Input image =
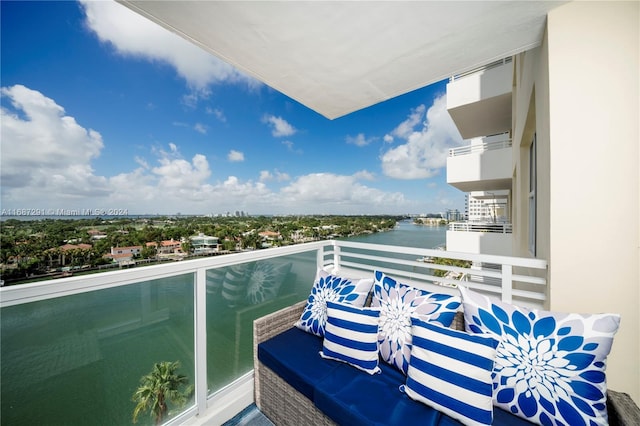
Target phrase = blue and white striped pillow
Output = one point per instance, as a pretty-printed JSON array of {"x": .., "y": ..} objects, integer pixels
[
  {"x": 450, "y": 371},
  {"x": 351, "y": 336}
]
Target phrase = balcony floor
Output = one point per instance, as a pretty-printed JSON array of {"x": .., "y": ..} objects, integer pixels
[{"x": 250, "y": 416}]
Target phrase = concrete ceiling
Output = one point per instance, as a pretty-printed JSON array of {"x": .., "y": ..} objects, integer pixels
[{"x": 339, "y": 57}]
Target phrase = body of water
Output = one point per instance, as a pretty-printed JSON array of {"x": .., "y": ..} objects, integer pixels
[
  {"x": 407, "y": 234},
  {"x": 76, "y": 360}
]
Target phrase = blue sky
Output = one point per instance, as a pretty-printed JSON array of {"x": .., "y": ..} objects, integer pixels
[{"x": 102, "y": 109}]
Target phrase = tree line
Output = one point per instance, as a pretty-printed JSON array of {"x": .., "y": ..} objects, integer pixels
[{"x": 29, "y": 248}]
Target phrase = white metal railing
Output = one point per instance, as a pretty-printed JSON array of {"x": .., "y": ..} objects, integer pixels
[
  {"x": 481, "y": 68},
  {"x": 495, "y": 228},
  {"x": 479, "y": 148},
  {"x": 507, "y": 278}
]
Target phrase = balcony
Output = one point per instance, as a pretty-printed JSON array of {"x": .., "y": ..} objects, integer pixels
[
  {"x": 75, "y": 348},
  {"x": 484, "y": 165},
  {"x": 474, "y": 237},
  {"x": 479, "y": 101}
]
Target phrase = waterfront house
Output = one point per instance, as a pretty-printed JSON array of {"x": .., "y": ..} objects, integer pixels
[
  {"x": 168, "y": 247},
  {"x": 124, "y": 256},
  {"x": 204, "y": 244},
  {"x": 566, "y": 94}
]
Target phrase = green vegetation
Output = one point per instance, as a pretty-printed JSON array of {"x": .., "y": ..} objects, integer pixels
[
  {"x": 45, "y": 249},
  {"x": 157, "y": 388},
  {"x": 449, "y": 262}
]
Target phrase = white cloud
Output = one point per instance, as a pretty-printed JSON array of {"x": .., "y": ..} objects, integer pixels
[
  {"x": 45, "y": 149},
  {"x": 235, "y": 156},
  {"x": 330, "y": 192},
  {"x": 217, "y": 113},
  {"x": 177, "y": 173},
  {"x": 359, "y": 140},
  {"x": 133, "y": 35},
  {"x": 406, "y": 128},
  {"x": 200, "y": 128},
  {"x": 279, "y": 126},
  {"x": 424, "y": 152},
  {"x": 290, "y": 147},
  {"x": 47, "y": 160},
  {"x": 364, "y": 175},
  {"x": 266, "y": 176}
]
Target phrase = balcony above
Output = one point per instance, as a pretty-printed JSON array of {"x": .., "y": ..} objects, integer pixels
[
  {"x": 479, "y": 102},
  {"x": 472, "y": 237},
  {"x": 484, "y": 165}
]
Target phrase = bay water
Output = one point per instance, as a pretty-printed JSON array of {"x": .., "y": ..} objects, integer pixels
[{"x": 76, "y": 360}]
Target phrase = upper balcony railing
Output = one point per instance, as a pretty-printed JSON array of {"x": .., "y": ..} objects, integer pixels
[
  {"x": 76, "y": 347},
  {"x": 480, "y": 147},
  {"x": 496, "y": 228}
]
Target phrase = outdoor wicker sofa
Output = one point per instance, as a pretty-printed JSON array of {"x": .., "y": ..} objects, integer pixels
[{"x": 284, "y": 405}]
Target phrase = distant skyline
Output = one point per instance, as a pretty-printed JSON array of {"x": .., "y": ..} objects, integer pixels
[{"x": 103, "y": 109}]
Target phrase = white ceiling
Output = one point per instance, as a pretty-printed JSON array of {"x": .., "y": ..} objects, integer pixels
[{"x": 339, "y": 57}]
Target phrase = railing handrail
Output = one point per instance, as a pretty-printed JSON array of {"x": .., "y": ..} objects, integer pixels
[
  {"x": 30, "y": 292},
  {"x": 480, "y": 147},
  {"x": 525, "y": 262},
  {"x": 490, "y": 227}
]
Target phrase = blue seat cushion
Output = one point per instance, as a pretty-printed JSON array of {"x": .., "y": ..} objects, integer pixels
[
  {"x": 294, "y": 355},
  {"x": 350, "y": 397},
  {"x": 500, "y": 418}
]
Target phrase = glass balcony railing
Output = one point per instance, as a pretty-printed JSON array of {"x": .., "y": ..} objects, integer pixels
[{"x": 73, "y": 350}]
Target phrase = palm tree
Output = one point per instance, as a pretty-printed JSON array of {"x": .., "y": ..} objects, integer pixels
[{"x": 157, "y": 387}]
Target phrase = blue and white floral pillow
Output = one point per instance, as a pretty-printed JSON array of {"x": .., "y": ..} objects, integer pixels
[
  {"x": 397, "y": 303},
  {"x": 331, "y": 288},
  {"x": 550, "y": 366}
]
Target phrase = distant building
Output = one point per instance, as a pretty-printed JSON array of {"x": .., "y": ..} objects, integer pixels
[
  {"x": 123, "y": 256},
  {"x": 64, "y": 254},
  {"x": 204, "y": 244},
  {"x": 453, "y": 215},
  {"x": 166, "y": 247},
  {"x": 487, "y": 207},
  {"x": 96, "y": 234}
]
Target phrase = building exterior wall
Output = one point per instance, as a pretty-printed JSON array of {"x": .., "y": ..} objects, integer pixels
[{"x": 579, "y": 93}]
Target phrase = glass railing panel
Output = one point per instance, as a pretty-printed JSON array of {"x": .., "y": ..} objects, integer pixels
[
  {"x": 238, "y": 294},
  {"x": 77, "y": 360}
]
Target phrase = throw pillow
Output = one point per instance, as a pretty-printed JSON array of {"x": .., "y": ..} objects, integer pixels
[
  {"x": 450, "y": 371},
  {"x": 265, "y": 280},
  {"x": 351, "y": 336},
  {"x": 550, "y": 367},
  {"x": 397, "y": 303},
  {"x": 334, "y": 288}
]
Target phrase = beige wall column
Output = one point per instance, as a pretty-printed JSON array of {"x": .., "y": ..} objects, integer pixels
[{"x": 594, "y": 198}]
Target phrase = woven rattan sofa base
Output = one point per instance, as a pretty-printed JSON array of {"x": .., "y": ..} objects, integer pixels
[{"x": 284, "y": 405}]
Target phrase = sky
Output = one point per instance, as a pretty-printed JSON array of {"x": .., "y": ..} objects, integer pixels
[{"x": 105, "y": 111}]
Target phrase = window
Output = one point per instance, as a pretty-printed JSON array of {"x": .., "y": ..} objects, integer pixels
[{"x": 532, "y": 196}]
